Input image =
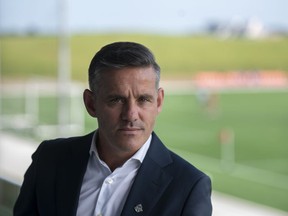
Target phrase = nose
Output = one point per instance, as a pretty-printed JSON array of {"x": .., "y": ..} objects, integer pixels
[{"x": 130, "y": 112}]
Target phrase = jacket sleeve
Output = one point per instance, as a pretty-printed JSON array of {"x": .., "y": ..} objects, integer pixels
[
  {"x": 199, "y": 201},
  {"x": 26, "y": 203}
]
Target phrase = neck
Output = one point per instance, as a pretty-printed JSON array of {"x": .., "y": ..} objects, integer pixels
[{"x": 112, "y": 157}]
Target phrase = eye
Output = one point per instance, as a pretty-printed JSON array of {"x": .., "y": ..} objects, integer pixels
[
  {"x": 144, "y": 99},
  {"x": 116, "y": 100}
]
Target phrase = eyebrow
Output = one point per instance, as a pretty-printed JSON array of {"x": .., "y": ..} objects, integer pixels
[
  {"x": 146, "y": 96},
  {"x": 114, "y": 96},
  {"x": 124, "y": 97}
]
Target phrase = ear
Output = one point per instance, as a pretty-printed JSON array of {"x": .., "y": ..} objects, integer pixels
[
  {"x": 160, "y": 99},
  {"x": 89, "y": 101}
]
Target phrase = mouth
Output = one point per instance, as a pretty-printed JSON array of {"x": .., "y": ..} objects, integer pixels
[{"x": 129, "y": 130}]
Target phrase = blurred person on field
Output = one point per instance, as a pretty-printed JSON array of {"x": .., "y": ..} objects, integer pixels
[{"x": 122, "y": 168}]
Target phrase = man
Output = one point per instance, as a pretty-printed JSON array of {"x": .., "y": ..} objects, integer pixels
[{"x": 122, "y": 168}]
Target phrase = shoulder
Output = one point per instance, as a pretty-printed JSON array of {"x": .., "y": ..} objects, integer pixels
[
  {"x": 66, "y": 142},
  {"x": 174, "y": 164},
  {"x": 62, "y": 146}
]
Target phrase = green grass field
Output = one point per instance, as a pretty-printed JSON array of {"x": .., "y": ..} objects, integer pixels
[
  {"x": 23, "y": 57},
  {"x": 259, "y": 121}
]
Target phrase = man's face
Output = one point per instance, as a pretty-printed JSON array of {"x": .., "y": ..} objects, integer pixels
[{"x": 126, "y": 107}]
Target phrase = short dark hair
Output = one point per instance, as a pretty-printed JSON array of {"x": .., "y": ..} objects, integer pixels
[{"x": 119, "y": 55}]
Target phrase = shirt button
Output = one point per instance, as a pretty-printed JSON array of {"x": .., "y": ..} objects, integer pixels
[{"x": 109, "y": 181}]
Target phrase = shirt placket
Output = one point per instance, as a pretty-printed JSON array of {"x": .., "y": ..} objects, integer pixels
[{"x": 104, "y": 194}]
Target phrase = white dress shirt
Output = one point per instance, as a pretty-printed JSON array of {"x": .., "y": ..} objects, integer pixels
[{"x": 103, "y": 193}]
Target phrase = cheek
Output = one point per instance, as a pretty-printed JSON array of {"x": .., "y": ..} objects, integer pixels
[
  {"x": 107, "y": 123},
  {"x": 149, "y": 117},
  {"x": 108, "y": 116}
]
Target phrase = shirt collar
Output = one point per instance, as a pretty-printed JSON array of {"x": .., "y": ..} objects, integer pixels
[{"x": 139, "y": 155}]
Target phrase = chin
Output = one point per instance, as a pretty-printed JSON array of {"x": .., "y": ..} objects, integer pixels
[{"x": 131, "y": 145}]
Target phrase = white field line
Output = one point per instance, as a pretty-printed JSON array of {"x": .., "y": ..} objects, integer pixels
[
  {"x": 15, "y": 156},
  {"x": 226, "y": 205},
  {"x": 240, "y": 171}
]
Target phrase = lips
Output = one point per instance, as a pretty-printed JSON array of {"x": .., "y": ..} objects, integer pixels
[{"x": 129, "y": 130}]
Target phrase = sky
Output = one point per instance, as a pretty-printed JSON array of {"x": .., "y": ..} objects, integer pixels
[{"x": 159, "y": 16}]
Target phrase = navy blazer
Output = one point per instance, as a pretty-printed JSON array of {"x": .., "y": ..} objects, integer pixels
[{"x": 165, "y": 184}]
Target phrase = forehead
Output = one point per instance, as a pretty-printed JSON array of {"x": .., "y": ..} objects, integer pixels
[{"x": 129, "y": 77}]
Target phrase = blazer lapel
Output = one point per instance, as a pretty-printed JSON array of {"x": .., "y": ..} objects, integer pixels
[
  {"x": 150, "y": 182},
  {"x": 70, "y": 175}
]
